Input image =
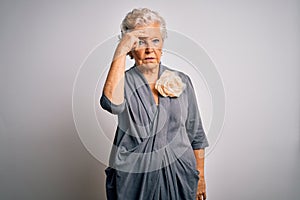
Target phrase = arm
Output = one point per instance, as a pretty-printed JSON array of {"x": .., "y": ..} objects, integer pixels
[
  {"x": 197, "y": 137},
  {"x": 201, "y": 191},
  {"x": 114, "y": 84}
]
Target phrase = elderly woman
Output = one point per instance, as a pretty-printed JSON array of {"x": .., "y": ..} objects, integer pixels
[{"x": 158, "y": 150}]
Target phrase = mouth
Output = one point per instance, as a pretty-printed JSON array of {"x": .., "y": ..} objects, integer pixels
[{"x": 150, "y": 58}]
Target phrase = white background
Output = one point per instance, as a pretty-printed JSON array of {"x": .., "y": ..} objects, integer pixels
[{"x": 254, "y": 44}]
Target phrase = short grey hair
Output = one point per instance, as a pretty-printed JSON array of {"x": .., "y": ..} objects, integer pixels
[{"x": 142, "y": 17}]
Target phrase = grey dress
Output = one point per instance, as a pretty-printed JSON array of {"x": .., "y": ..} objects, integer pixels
[{"x": 152, "y": 157}]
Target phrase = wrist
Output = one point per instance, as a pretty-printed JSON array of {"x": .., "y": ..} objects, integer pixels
[
  {"x": 119, "y": 53},
  {"x": 201, "y": 172}
]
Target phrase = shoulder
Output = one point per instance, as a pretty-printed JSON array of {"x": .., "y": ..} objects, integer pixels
[
  {"x": 130, "y": 74},
  {"x": 184, "y": 77},
  {"x": 129, "y": 71}
]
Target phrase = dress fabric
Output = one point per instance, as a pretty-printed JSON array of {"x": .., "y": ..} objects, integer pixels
[{"x": 152, "y": 156}]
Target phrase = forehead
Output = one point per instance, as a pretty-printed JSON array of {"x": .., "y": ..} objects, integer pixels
[{"x": 153, "y": 30}]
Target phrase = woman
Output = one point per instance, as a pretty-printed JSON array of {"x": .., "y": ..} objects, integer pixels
[{"x": 158, "y": 150}]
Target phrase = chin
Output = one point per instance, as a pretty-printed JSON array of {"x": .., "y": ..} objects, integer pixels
[{"x": 150, "y": 65}]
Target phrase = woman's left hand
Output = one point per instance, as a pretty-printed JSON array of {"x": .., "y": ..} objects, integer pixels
[{"x": 201, "y": 190}]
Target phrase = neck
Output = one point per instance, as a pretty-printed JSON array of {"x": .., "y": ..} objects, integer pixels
[
  {"x": 150, "y": 73},
  {"x": 148, "y": 70}
]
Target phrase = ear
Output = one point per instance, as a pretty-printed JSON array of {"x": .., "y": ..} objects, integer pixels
[{"x": 130, "y": 55}]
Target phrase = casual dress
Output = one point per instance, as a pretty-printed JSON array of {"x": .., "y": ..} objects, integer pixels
[{"x": 152, "y": 157}]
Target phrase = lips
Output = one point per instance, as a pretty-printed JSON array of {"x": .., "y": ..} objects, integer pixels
[{"x": 149, "y": 58}]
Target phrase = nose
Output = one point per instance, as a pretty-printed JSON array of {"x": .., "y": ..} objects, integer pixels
[
  {"x": 148, "y": 49},
  {"x": 147, "y": 45}
]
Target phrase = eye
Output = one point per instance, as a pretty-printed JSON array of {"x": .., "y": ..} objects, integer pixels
[
  {"x": 155, "y": 41},
  {"x": 141, "y": 42}
]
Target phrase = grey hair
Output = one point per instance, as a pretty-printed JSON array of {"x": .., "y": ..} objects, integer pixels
[{"x": 142, "y": 17}]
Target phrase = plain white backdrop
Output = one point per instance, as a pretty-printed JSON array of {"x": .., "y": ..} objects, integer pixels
[{"x": 254, "y": 44}]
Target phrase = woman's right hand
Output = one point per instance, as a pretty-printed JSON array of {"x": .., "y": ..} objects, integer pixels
[{"x": 129, "y": 42}]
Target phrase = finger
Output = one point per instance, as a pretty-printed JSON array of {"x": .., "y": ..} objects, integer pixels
[
  {"x": 135, "y": 35},
  {"x": 134, "y": 46},
  {"x": 204, "y": 195},
  {"x": 200, "y": 197},
  {"x": 139, "y": 33}
]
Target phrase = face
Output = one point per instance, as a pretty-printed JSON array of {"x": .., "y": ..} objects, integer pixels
[{"x": 148, "y": 51}]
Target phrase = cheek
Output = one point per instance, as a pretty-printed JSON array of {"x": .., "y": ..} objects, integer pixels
[
  {"x": 158, "y": 53},
  {"x": 139, "y": 53}
]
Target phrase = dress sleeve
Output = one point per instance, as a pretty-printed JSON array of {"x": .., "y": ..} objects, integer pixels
[
  {"x": 193, "y": 123},
  {"x": 106, "y": 104}
]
